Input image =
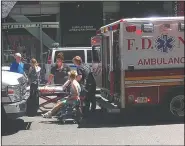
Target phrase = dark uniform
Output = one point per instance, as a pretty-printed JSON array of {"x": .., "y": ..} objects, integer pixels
[
  {"x": 60, "y": 74},
  {"x": 89, "y": 83},
  {"x": 33, "y": 101}
]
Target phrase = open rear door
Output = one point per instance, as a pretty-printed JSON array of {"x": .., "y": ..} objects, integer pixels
[
  {"x": 105, "y": 62},
  {"x": 96, "y": 59},
  {"x": 116, "y": 63}
]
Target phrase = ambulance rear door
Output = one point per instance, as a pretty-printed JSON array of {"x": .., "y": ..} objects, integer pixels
[{"x": 105, "y": 53}]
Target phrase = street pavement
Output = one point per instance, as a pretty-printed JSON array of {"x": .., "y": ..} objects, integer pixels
[{"x": 100, "y": 128}]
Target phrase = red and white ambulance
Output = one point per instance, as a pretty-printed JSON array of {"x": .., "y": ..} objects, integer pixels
[{"x": 140, "y": 61}]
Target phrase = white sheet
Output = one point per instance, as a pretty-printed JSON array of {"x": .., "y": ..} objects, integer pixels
[{"x": 49, "y": 89}]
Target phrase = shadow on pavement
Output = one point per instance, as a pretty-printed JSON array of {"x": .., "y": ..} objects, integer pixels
[
  {"x": 13, "y": 126},
  {"x": 100, "y": 120}
]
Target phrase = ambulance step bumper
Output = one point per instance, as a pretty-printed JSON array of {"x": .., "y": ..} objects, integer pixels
[{"x": 104, "y": 104}]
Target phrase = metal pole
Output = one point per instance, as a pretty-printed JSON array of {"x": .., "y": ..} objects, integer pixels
[
  {"x": 2, "y": 43},
  {"x": 41, "y": 45},
  {"x": 2, "y": 47}
]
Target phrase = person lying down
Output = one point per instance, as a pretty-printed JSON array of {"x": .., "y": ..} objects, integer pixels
[{"x": 73, "y": 97}]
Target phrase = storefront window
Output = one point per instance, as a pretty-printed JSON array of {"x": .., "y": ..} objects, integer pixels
[{"x": 18, "y": 38}]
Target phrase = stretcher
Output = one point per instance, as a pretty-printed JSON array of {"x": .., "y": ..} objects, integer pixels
[{"x": 51, "y": 94}]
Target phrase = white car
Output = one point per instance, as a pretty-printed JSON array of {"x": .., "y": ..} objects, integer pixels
[
  {"x": 13, "y": 95},
  {"x": 5, "y": 68}
]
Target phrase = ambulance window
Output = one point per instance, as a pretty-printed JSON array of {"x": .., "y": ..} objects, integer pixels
[
  {"x": 89, "y": 57},
  {"x": 147, "y": 27},
  {"x": 96, "y": 54},
  {"x": 70, "y": 54}
]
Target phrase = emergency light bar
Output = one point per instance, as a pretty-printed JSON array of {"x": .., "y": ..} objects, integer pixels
[
  {"x": 147, "y": 27},
  {"x": 181, "y": 27}
]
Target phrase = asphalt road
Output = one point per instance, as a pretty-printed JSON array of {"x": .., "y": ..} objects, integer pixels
[{"x": 99, "y": 129}]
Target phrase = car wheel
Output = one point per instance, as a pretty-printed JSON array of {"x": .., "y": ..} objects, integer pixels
[{"x": 175, "y": 106}]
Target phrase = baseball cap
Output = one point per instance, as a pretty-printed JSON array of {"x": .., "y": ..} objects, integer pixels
[{"x": 17, "y": 54}]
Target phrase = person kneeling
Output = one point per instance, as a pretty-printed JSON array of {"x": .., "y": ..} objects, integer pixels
[{"x": 75, "y": 90}]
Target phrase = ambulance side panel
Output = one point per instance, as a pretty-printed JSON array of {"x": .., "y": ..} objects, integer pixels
[
  {"x": 153, "y": 61},
  {"x": 159, "y": 49}
]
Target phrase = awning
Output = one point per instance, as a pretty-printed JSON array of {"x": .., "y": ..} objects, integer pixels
[{"x": 7, "y": 7}]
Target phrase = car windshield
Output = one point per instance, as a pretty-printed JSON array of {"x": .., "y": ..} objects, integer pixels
[{"x": 70, "y": 54}]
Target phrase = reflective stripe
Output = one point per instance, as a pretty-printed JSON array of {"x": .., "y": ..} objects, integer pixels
[
  {"x": 155, "y": 84},
  {"x": 155, "y": 77},
  {"x": 153, "y": 81}
]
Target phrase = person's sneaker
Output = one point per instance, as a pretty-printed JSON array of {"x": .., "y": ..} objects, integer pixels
[{"x": 47, "y": 115}]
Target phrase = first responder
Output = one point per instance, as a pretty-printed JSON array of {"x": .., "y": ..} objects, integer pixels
[
  {"x": 85, "y": 78},
  {"x": 60, "y": 71}
]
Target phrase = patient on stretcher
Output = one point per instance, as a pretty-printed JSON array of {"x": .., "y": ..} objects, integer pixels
[{"x": 73, "y": 97}]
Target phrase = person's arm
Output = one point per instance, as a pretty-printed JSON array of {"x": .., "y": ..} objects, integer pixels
[
  {"x": 12, "y": 67},
  {"x": 79, "y": 72},
  {"x": 51, "y": 75},
  {"x": 22, "y": 68},
  {"x": 75, "y": 89},
  {"x": 66, "y": 84}
]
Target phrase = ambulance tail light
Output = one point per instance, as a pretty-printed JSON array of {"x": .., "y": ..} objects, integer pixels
[
  {"x": 95, "y": 41},
  {"x": 149, "y": 99},
  {"x": 49, "y": 59},
  {"x": 131, "y": 28}
]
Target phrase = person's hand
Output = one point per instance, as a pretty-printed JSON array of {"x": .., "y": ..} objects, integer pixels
[
  {"x": 47, "y": 84},
  {"x": 64, "y": 88}
]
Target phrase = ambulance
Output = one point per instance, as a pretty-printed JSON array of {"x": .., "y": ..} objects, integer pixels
[{"x": 140, "y": 62}]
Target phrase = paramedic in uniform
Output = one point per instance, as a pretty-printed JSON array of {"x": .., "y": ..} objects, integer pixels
[
  {"x": 86, "y": 79},
  {"x": 60, "y": 71}
]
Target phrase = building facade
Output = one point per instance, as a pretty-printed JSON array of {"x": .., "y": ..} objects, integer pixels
[{"x": 70, "y": 23}]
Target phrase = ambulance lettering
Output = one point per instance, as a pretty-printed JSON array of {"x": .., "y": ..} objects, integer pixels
[
  {"x": 164, "y": 44},
  {"x": 164, "y": 41},
  {"x": 149, "y": 42},
  {"x": 146, "y": 44}
]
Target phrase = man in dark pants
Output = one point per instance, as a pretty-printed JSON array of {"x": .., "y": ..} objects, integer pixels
[
  {"x": 33, "y": 76},
  {"x": 86, "y": 79}
]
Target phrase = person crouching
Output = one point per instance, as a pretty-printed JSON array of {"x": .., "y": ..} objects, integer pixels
[{"x": 73, "y": 97}]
